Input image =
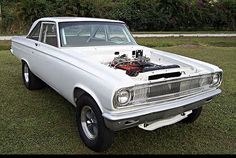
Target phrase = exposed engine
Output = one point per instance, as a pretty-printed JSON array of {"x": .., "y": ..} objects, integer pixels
[{"x": 137, "y": 64}]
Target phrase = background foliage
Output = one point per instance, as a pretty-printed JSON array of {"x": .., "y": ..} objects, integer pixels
[{"x": 140, "y": 15}]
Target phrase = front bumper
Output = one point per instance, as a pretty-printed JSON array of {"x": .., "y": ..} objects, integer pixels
[{"x": 123, "y": 120}]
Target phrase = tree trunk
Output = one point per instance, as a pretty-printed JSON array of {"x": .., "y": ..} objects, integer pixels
[
  {"x": 1, "y": 17},
  {"x": 0, "y": 13},
  {"x": 78, "y": 8}
]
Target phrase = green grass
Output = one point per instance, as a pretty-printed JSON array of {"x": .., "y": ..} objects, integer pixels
[
  {"x": 4, "y": 45},
  {"x": 43, "y": 122},
  {"x": 170, "y": 41},
  {"x": 185, "y": 32}
]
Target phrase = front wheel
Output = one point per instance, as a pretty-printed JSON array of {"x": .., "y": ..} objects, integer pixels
[{"x": 92, "y": 128}]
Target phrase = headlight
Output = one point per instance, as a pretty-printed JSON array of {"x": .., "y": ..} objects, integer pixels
[
  {"x": 123, "y": 97},
  {"x": 216, "y": 78}
]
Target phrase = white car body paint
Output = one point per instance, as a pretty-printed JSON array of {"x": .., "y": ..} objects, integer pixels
[{"x": 65, "y": 68}]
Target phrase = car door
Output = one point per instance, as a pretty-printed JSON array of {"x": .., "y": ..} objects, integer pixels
[
  {"x": 29, "y": 47},
  {"x": 45, "y": 56}
]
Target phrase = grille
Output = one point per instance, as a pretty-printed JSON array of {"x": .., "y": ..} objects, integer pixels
[{"x": 171, "y": 90}]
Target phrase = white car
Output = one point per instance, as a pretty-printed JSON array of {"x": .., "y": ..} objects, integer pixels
[{"x": 113, "y": 82}]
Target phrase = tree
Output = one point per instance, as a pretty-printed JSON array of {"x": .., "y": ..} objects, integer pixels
[
  {"x": 66, "y": 7},
  {"x": 140, "y": 15},
  {"x": 0, "y": 12},
  {"x": 29, "y": 10}
]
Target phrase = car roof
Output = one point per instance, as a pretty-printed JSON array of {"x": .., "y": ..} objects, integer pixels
[{"x": 69, "y": 19}]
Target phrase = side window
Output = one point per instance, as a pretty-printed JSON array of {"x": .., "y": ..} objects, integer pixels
[
  {"x": 34, "y": 35},
  {"x": 49, "y": 34}
]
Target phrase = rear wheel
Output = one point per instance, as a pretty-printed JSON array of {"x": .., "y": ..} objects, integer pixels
[
  {"x": 193, "y": 116},
  {"x": 92, "y": 128},
  {"x": 31, "y": 81}
]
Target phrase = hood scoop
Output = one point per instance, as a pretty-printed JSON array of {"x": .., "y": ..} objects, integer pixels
[{"x": 167, "y": 75}]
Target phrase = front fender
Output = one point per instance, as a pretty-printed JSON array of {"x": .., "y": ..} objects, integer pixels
[{"x": 91, "y": 93}]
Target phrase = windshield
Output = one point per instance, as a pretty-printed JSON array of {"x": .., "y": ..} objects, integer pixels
[{"x": 78, "y": 34}]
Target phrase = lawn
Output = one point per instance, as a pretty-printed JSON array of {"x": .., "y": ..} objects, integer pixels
[
  {"x": 4, "y": 45},
  {"x": 204, "y": 41},
  {"x": 43, "y": 122},
  {"x": 185, "y": 32}
]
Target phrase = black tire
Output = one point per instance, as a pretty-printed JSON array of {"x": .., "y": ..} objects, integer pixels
[
  {"x": 193, "y": 116},
  {"x": 31, "y": 81},
  {"x": 103, "y": 137}
]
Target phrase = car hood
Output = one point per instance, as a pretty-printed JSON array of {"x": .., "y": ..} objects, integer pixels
[{"x": 95, "y": 60}]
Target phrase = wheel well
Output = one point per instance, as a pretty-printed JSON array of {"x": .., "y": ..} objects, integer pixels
[
  {"x": 78, "y": 92},
  {"x": 24, "y": 61}
]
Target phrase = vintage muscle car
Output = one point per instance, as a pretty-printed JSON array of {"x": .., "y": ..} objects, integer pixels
[{"x": 113, "y": 82}]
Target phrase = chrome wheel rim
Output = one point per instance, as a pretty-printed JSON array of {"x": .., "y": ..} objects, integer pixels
[
  {"x": 26, "y": 73},
  {"x": 89, "y": 122}
]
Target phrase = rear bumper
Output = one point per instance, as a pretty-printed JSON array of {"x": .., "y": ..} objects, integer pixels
[{"x": 119, "y": 121}]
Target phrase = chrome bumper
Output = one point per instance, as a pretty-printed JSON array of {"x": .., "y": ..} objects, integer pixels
[{"x": 123, "y": 120}]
